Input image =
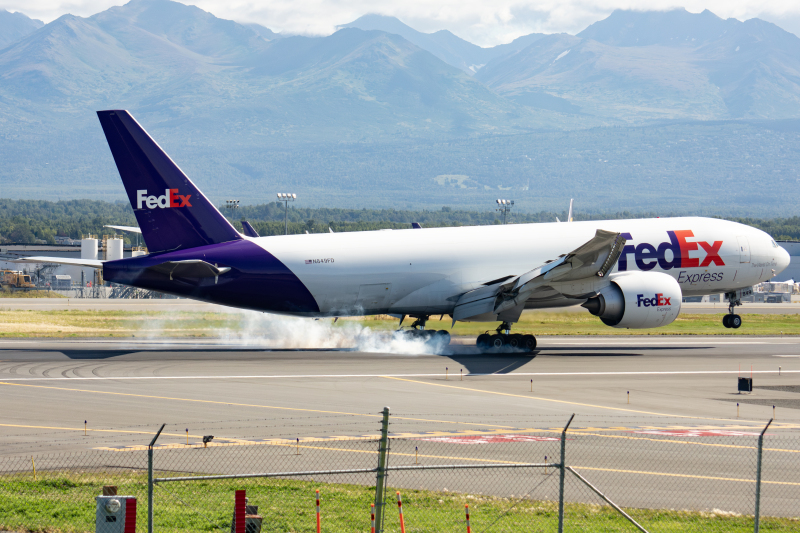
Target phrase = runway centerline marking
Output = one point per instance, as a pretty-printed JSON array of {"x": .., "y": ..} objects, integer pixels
[
  {"x": 431, "y": 375},
  {"x": 567, "y": 402}
]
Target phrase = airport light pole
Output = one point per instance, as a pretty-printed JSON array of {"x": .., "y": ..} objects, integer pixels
[
  {"x": 233, "y": 205},
  {"x": 505, "y": 207},
  {"x": 286, "y": 198}
]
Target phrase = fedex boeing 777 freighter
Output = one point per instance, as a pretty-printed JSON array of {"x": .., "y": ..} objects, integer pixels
[{"x": 629, "y": 273}]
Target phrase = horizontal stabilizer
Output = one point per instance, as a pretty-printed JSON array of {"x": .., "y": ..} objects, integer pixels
[
  {"x": 132, "y": 229},
  {"x": 191, "y": 268},
  {"x": 94, "y": 263}
]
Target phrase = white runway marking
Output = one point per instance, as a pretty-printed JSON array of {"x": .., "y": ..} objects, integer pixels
[{"x": 437, "y": 375}]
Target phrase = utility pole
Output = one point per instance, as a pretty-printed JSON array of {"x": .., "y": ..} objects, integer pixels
[{"x": 286, "y": 198}]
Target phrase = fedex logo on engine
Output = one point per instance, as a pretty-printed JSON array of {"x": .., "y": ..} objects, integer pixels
[
  {"x": 658, "y": 301},
  {"x": 170, "y": 198},
  {"x": 680, "y": 246}
]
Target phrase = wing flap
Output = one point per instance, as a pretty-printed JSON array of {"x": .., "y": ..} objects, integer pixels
[{"x": 580, "y": 267}]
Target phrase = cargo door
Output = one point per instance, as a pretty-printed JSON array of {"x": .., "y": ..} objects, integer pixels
[
  {"x": 744, "y": 250},
  {"x": 374, "y": 296}
]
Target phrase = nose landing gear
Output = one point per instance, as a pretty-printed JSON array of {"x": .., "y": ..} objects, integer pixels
[
  {"x": 505, "y": 342},
  {"x": 732, "y": 320}
]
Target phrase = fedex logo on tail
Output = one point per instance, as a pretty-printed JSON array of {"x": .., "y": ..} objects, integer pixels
[
  {"x": 680, "y": 244},
  {"x": 170, "y": 198},
  {"x": 658, "y": 301}
]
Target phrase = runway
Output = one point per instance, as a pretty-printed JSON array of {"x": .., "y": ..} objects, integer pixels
[
  {"x": 653, "y": 412},
  {"x": 125, "y": 389}
]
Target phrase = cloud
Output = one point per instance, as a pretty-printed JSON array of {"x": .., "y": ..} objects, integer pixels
[{"x": 483, "y": 22}]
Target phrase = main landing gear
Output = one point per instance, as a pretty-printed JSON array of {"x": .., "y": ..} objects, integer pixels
[
  {"x": 732, "y": 320},
  {"x": 505, "y": 342},
  {"x": 431, "y": 336}
]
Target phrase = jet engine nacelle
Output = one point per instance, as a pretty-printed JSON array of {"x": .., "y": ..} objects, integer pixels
[{"x": 637, "y": 300}]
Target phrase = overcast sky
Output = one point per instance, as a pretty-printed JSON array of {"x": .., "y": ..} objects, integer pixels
[{"x": 483, "y": 22}]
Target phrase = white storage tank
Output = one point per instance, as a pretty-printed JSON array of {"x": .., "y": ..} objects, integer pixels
[
  {"x": 113, "y": 249},
  {"x": 137, "y": 253},
  {"x": 89, "y": 248}
]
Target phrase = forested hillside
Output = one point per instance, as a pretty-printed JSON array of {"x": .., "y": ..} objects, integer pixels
[{"x": 25, "y": 221}]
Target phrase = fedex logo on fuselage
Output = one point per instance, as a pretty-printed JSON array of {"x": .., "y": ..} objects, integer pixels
[
  {"x": 658, "y": 301},
  {"x": 170, "y": 198},
  {"x": 647, "y": 256}
]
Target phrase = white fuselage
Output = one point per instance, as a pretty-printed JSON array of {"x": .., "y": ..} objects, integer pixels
[{"x": 424, "y": 271}]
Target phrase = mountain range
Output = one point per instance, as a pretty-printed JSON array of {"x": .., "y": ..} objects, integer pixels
[{"x": 370, "y": 111}]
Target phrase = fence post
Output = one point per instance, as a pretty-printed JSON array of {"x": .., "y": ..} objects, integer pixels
[
  {"x": 562, "y": 472},
  {"x": 758, "y": 476},
  {"x": 150, "y": 480},
  {"x": 380, "y": 481}
]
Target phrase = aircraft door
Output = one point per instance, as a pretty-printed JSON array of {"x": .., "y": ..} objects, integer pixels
[
  {"x": 744, "y": 250},
  {"x": 373, "y": 296}
]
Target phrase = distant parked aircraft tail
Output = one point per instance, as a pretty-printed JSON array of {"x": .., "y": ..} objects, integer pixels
[{"x": 172, "y": 212}]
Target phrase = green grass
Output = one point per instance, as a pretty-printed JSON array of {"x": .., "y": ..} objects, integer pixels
[
  {"x": 64, "y": 502},
  {"x": 94, "y": 323},
  {"x": 582, "y": 323},
  {"x": 8, "y": 293}
]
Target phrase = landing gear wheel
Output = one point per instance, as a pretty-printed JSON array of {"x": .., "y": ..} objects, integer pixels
[
  {"x": 484, "y": 341},
  {"x": 514, "y": 341},
  {"x": 497, "y": 341},
  {"x": 726, "y": 321},
  {"x": 443, "y": 336},
  {"x": 735, "y": 321},
  {"x": 528, "y": 343}
]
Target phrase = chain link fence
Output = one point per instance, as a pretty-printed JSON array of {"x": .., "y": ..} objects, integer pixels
[{"x": 684, "y": 479}]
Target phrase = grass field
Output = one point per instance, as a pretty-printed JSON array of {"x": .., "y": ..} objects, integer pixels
[
  {"x": 63, "y": 502},
  {"x": 151, "y": 324},
  {"x": 6, "y": 293}
]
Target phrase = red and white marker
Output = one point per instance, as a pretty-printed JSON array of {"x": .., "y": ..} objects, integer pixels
[
  {"x": 372, "y": 516},
  {"x": 400, "y": 508},
  {"x": 319, "y": 524},
  {"x": 466, "y": 508}
]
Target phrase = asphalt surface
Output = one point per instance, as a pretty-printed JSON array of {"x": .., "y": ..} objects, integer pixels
[{"x": 677, "y": 431}]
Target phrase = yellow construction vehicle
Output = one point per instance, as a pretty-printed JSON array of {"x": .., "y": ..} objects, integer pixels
[{"x": 14, "y": 279}]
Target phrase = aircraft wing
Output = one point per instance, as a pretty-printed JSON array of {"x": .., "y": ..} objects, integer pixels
[
  {"x": 95, "y": 263},
  {"x": 132, "y": 229},
  {"x": 573, "y": 275}
]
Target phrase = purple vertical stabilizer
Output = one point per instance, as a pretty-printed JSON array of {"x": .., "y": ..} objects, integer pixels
[
  {"x": 248, "y": 229},
  {"x": 172, "y": 212}
]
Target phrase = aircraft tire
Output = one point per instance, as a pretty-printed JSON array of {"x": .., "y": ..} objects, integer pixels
[
  {"x": 725, "y": 321},
  {"x": 497, "y": 341},
  {"x": 514, "y": 340},
  {"x": 483, "y": 341},
  {"x": 735, "y": 321},
  {"x": 444, "y": 336},
  {"x": 528, "y": 343}
]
